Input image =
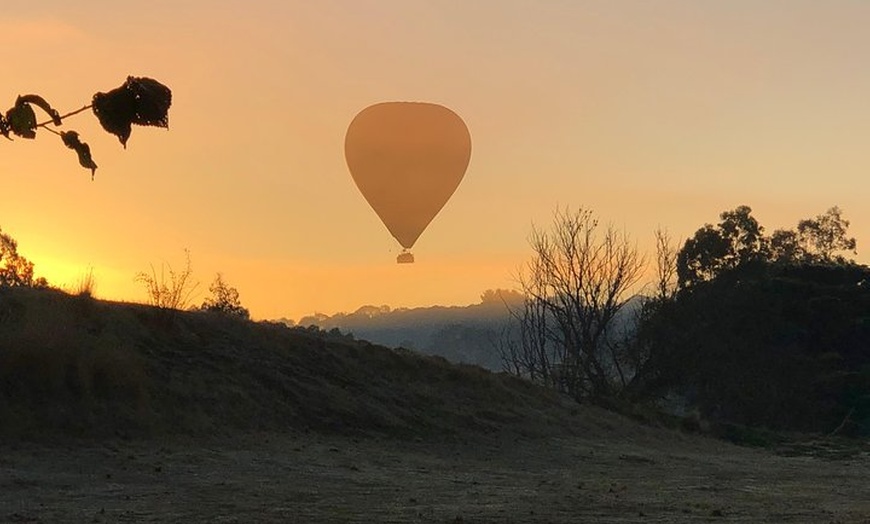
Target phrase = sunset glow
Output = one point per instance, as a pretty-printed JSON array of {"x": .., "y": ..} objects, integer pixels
[{"x": 650, "y": 114}]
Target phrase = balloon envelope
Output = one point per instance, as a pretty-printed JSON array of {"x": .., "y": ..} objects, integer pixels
[{"x": 407, "y": 159}]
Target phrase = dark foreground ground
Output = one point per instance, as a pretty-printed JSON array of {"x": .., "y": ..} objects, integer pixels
[
  {"x": 123, "y": 413},
  {"x": 653, "y": 476}
]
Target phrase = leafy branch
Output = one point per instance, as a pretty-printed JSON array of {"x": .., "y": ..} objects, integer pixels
[
  {"x": 140, "y": 100},
  {"x": 61, "y": 117}
]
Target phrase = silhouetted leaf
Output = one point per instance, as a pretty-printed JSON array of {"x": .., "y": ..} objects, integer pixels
[
  {"x": 4, "y": 127},
  {"x": 42, "y": 104},
  {"x": 152, "y": 101},
  {"x": 141, "y": 101},
  {"x": 22, "y": 119},
  {"x": 71, "y": 140},
  {"x": 115, "y": 111}
]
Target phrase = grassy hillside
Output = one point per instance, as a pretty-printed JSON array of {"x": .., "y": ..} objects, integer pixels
[{"x": 75, "y": 365}]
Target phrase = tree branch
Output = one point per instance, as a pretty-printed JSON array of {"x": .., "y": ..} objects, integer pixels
[{"x": 72, "y": 113}]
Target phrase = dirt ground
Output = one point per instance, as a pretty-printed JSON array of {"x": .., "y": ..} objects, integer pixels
[{"x": 664, "y": 476}]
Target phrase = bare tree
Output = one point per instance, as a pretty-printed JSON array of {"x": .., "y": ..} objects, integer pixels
[
  {"x": 169, "y": 290},
  {"x": 637, "y": 355},
  {"x": 526, "y": 344},
  {"x": 666, "y": 265},
  {"x": 577, "y": 281}
]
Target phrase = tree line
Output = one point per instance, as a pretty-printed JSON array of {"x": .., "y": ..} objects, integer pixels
[{"x": 742, "y": 326}]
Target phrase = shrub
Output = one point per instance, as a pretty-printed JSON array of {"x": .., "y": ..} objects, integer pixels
[
  {"x": 224, "y": 299},
  {"x": 168, "y": 289},
  {"x": 15, "y": 270}
]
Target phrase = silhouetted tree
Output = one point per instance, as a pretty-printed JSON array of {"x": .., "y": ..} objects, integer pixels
[
  {"x": 15, "y": 270},
  {"x": 821, "y": 237},
  {"x": 224, "y": 299},
  {"x": 575, "y": 284},
  {"x": 638, "y": 352},
  {"x": 141, "y": 101},
  {"x": 766, "y": 331},
  {"x": 501, "y": 297},
  {"x": 785, "y": 247},
  {"x": 737, "y": 239},
  {"x": 666, "y": 266}
]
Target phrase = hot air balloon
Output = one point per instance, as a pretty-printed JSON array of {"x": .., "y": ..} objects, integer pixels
[{"x": 407, "y": 159}]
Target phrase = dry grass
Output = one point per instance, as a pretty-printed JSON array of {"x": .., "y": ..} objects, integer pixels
[
  {"x": 86, "y": 284},
  {"x": 71, "y": 363},
  {"x": 61, "y": 370},
  {"x": 625, "y": 474}
]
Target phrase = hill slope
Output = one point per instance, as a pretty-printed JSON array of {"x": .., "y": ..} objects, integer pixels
[{"x": 75, "y": 365}]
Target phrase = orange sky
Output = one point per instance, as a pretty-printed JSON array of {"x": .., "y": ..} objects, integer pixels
[{"x": 649, "y": 113}]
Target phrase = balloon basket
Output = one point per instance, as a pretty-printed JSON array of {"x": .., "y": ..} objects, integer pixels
[{"x": 405, "y": 257}]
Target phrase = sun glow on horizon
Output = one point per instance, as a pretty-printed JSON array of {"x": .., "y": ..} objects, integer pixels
[{"x": 650, "y": 116}]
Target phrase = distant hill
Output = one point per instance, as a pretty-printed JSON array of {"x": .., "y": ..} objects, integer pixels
[{"x": 464, "y": 334}]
